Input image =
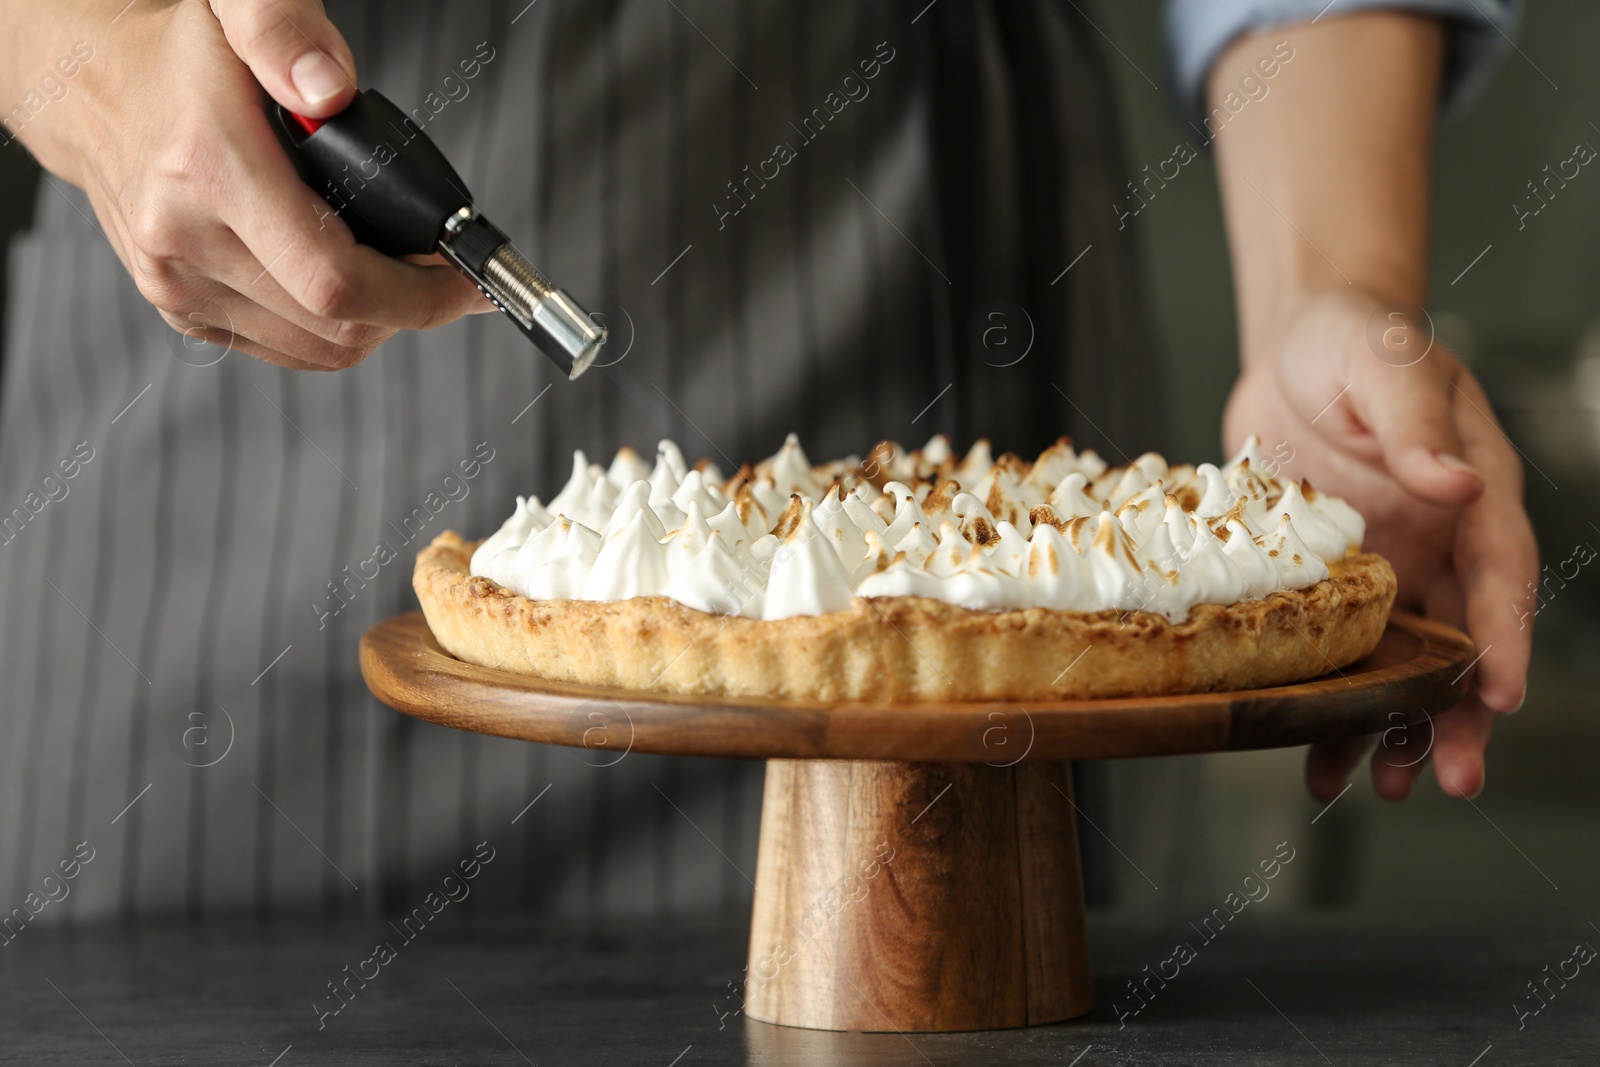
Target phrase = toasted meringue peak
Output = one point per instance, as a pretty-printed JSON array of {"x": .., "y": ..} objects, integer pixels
[
  {"x": 710, "y": 472},
  {"x": 806, "y": 577},
  {"x": 577, "y": 482},
  {"x": 1090, "y": 464},
  {"x": 1003, "y": 494},
  {"x": 693, "y": 535},
  {"x": 771, "y": 500},
  {"x": 1111, "y": 539},
  {"x": 978, "y": 586},
  {"x": 917, "y": 545},
  {"x": 1069, "y": 499},
  {"x": 1009, "y": 552},
  {"x": 553, "y": 564},
  {"x": 935, "y": 453},
  {"x": 632, "y": 563},
  {"x": 664, "y": 478},
  {"x": 527, "y": 520},
  {"x": 1053, "y": 464},
  {"x": 979, "y": 529},
  {"x": 798, "y": 511},
  {"x": 1057, "y": 573},
  {"x": 1319, "y": 532},
  {"x": 1251, "y": 490},
  {"x": 1166, "y": 586},
  {"x": 588, "y": 497},
  {"x": 878, "y": 557},
  {"x": 836, "y": 527},
  {"x": 1180, "y": 527},
  {"x": 952, "y": 551},
  {"x": 626, "y": 468},
  {"x": 1210, "y": 563},
  {"x": 1260, "y": 576},
  {"x": 714, "y": 580},
  {"x": 750, "y": 510},
  {"x": 732, "y": 528},
  {"x": 1249, "y": 452},
  {"x": 901, "y": 578},
  {"x": 859, "y": 508},
  {"x": 937, "y": 503},
  {"x": 790, "y": 470},
  {"x": 1335, "y": 510},
  {"x": 694, "y": 488},
  {"x": 668, "y": 454},
  {"x": 976, "y": 463},
  {"x": 1045, "y": 515},
  {"x": 1215, "y": 496},
  {"x": 1142, "y": 512},
  {"x": 1114, "y": 569},
  {"x": 907, "y": 512},
  {"x": 1153, "y": 465},
  {"x": 1119, "y": 485},
  {"x": 788, "y": 537}
]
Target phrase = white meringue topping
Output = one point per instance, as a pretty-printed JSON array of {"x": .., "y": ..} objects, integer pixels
[
  {"x": 553, "y": 564},
  {"x": 786, "y": 537}
]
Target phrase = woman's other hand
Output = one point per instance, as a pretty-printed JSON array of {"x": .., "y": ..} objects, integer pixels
[
  {"x": 1381, "y": 414},
  {"x": 1325, "y": 183}
]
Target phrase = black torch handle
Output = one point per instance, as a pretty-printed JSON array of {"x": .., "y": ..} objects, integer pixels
[{"x": 378, "y": 171}]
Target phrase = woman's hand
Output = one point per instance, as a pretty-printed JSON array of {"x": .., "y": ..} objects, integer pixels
[
  {"x": 1325, "y": 182},
  {"x": 164, "y": 128},
  {"x": 1380, "y": 414}
]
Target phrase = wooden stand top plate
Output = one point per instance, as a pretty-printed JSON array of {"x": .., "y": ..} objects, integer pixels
[{"x": 1419, "y": 668}]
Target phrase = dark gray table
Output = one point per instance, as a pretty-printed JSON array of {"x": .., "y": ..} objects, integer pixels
[{"x": 470, "y": 990}]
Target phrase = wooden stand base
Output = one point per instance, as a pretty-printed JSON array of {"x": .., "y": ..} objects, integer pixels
[{"x": 917, "y": 897}]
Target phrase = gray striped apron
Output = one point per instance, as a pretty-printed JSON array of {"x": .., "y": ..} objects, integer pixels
[{"x": 178, "y": 690}]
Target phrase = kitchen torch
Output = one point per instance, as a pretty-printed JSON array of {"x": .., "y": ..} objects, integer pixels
[{"x": 398, "y": 194}]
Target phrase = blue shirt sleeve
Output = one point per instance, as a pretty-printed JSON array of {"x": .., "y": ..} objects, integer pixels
[{"x": 1479, "y": 33}]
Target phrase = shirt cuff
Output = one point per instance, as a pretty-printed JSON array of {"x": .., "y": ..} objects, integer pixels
[{"x": 1478, "y": 34}]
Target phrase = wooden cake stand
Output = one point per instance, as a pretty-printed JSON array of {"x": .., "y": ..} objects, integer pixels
[{"x": 918, "y": 866}]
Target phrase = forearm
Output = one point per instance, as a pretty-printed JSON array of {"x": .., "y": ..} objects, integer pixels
[
  {"x": 1325, "y": 180},
  {"x": 47, "y": 50}
]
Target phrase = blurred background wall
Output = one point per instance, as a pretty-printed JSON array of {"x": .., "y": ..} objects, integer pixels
[{"x": 1527, "y": 318}]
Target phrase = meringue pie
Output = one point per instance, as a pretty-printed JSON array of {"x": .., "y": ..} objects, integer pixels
[{"x": 916, "y": 576}]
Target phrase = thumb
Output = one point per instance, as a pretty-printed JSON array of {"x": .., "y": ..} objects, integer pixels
[
  {"x": 1410, "y": 407},
  {"x": 296, "y": 54}
]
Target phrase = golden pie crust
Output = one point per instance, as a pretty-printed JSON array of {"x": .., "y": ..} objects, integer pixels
[{"x": 906, "y": 649}]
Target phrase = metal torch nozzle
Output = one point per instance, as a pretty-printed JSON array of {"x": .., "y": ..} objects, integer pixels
[{"x": 551, "y": 319}]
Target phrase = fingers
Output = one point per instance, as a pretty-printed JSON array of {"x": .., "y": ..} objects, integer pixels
[
  {"x": 1454, "y": 742},
  {"x": 305, "y": 64},
  {"x": 1408, "y": 400},
  {"x": 252, "y": 315},
  {"x": 341, "y": 295},
  {"x": 225, "y": 258},
  {"x": 1497, "y": 558},
  {"x": 208, "y": 214},
  {"x": 1460, "y": 737},
  {"x": 296, "y": 54},
  {"x": 232, "y": 342},
  {"x": 1400, "y": 757},
  {"x": 1329, "y": 763},
  {"x": 480, "y": 305},
  {"x": 312, "y": 255},
  {"x": 227, "y": 319}
]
